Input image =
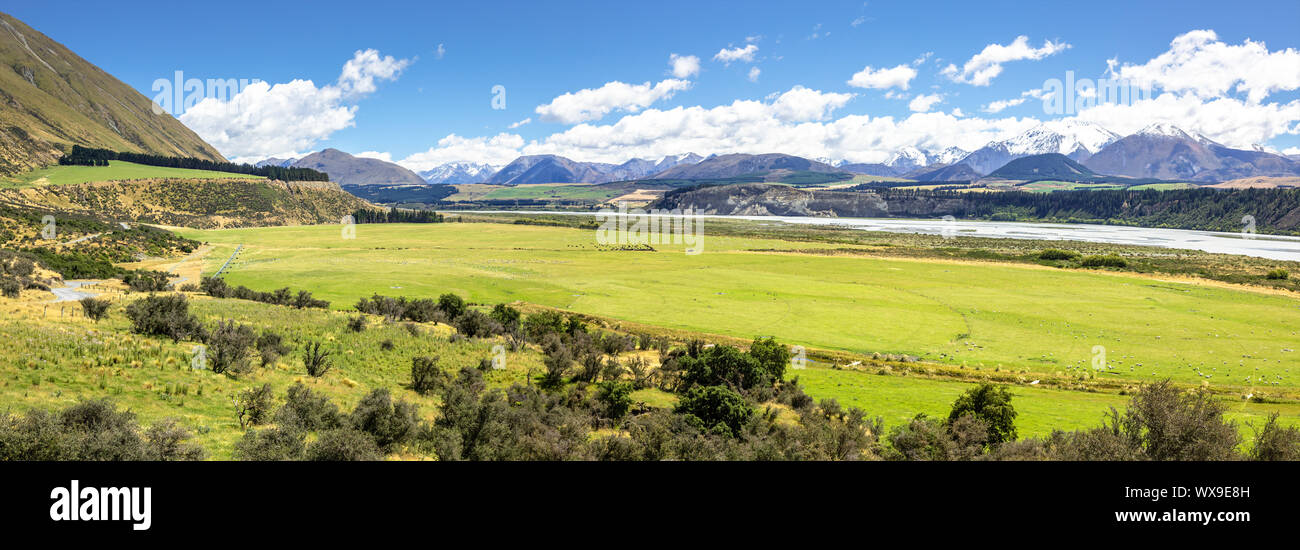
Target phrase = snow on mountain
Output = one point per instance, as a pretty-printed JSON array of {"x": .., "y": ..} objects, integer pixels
[
  {"x": 459, "y": 172},
  {"x": 1072, "y": 138},
  {"x": 907, "y": 159},
  {"x": 948, "y": 155}
]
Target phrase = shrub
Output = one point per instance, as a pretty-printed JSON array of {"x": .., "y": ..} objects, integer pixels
[
  {"x": 1278, "y": 274},
  {"x": 772, "y": 356},
  {"x": 167, "y": 441},
  {"x": 271, "y": 346},
  {"x": 357, "y": 324},
  {"x": 229, "y": 347},
  {"x": 724, "y": 365},
  {"x": 253, "y": 406},
  {"x": 317, "y": 362},
  {"x": 1057, "y": 254},
  {"x": 1108, "y": 260},
  {"x": 989, "y": 403},
  {"x": 452, "y": 305},
  {"x": 143, "y": 280},
  {"x": 166, "y": 315},
  {"x": 389, "y": 423},
  {"x": 715, "y": 409},
  {"x": 343, "y": 444},
  {"x": 475, "y": 324},
  {"x": 1274, "y": 442},
  {"x": 307, "y": 410},
  {"x": 507, "y": 316},
  {"x": 426, "y": 376},
  {"x": 617, "y": 398},
  {"x": 271, "y": 444},
  {"x": 10, "y": 287},
  {"x": 94, "y": 308}
]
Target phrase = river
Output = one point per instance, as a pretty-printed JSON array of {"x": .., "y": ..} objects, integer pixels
[{"x": 1274, "y": 247}]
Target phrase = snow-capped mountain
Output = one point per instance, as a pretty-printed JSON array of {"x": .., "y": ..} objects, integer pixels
[
  {"x": 1167, "y": 152},
  {"x": 283, "y": 163},
  {"x": 677, "y": 160},
  {"x": 948, "y": 155},
  {"x": 1072, "y": 138},
  {"x": 459, "y": 172},
  {"x": 907, "y": 159}
]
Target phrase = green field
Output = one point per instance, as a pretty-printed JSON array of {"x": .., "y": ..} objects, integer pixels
[
  {"x": 116, "y": 170},
  {"x": 559, "y": 192},
  {"x": 991, "y": 316}
]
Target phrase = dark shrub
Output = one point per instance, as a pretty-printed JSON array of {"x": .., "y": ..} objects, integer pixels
[
  {"x": 475, "y": 324},
  {"x": 308, "y": 411},
  {"x": 451, "y": 305},
  {"x": 271, "y": 444},
  {"x": 507, "y": 316},
  {"x": 773, "y": 357},
  {"x": 989, "y": 403},
  {"x": 253, "y": 406},
  {"x": 426, "y": 376},
  {"x": 1275, "y": 442},
  {"x": 10, "y": 287},
  {"x": 1278, "y": 274},
  {"x": 167, "y": 441},
  {"x": 357, "y": 324},
  {"x": 389, "y": 423},
  {"x": 142, "y": 280},
  {"x": 1108, "y": 260},
  {"x": 94, "y": 308},
  {"x": 229, "y": 347},
  {"x": 271, "y": 346},
  {"x": 166, "y": 315},
  {"x": 617, "y": 398},
  {"x": 343, "y": 444},
  {"x": 715, "y": 409},
  {"x": 1057, "y": 254},
  {"x": 316, "y": 360}
]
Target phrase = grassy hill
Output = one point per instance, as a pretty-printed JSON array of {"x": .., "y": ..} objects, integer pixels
[
  {"x": 52, "y": 98},
  {"x": 116, "y": 170},
  {"x": 202, "y": 203}
]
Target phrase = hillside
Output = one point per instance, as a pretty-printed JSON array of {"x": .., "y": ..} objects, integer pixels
[
  {"x": 53, "y": 99},
  {"x": 199, "y": 203},
  {"x": 1167, "y": 152},
  {"x": 116, "y": 170},
  {"x": 1045, "y": 166},
  {"x": 346, "y": 169},
  {"x": 728, "y": 166}
]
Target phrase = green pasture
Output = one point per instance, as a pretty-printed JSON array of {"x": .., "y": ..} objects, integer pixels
[{"x": 116, "y": 170}]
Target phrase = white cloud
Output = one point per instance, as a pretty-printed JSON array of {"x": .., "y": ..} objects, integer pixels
[
  {"x": 897, "y": 77},
  {"x": 441, "y": 51},
  {"x": 360, "y": 72},
  {"x": 593, "y": 104},
  {"x": 1002, "y": 104},
  {"x": 801, "y": 104},
  {"x": 280, "y": 120},
  {"x": 386, "y": 157},
  {"x": 981, "y": 69},
  {"x": 860, "y": 20},
  {"x": 924, "y": 102},
  {"x": 1198, "y": 63},
  {"x": 684, "y": 66},
  {"x": 520, "y": 123},
  {"x": 728, "y": 56},
  {"x": 753, "y": 74},
  {"x": 1229, "y": 121},
  {"x": 496, "y": 150},
  {"x": 1291, "y": 151}
]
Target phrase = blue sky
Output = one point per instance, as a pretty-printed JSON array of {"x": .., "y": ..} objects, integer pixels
[{"x": 542, "y": 50}]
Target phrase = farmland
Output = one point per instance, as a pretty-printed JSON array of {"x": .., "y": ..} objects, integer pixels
[{"x": 116, "y": 170}]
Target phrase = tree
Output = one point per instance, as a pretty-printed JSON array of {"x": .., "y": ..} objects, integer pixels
[
  {"x": 307, "y": 410},
  {"x": 989, "y": 403},
  {"x": 715, "y": 409},
  {"x": 508, "y": 316},
  {"x": 724, "y": 365},
  {"x": 1274, "y": 442},
  {"x": 617, "y": 398}
]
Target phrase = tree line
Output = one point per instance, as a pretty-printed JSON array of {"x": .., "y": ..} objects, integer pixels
[
  {"x": 396, "y": 215},
  {"x": 89, "y": 156}
]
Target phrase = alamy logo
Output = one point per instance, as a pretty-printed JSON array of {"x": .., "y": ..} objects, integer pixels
[
  {"x": 75, "y": 503},
  {"x": 641, "y": 228}
]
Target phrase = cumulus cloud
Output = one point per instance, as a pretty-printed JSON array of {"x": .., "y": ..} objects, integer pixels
[
  {"x": 1002, "y": 104},
  {"x": 594, "y": 103},
  {"x": 495, "y": 150},
  {"x": 882, "y": 78},
  {"x": 265, "y": 120},
  {"x": 983, "y": 67},
  {"x": 1230, "y": 121},
  {"x": 366, "y": 66},
  {"x": 728, "y": 56},
  {"x": 1198, "y": 63},
  {"x": 1291, "y": 151},
  {"x": 753, "y": 74},
  {"x": 924, "y": 102},
  {"x": 384, "y": 156},
  {"x": 801, "y": 104},
  {"x": 684, "y": 66}
]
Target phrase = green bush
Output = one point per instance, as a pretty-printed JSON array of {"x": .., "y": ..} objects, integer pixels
[
  {"x": 1278, "y": 274},
  {"x": 1108, "y": 260},
  {"x": 1057, "y": 254},
  {"x": 166, "y": 315}
]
